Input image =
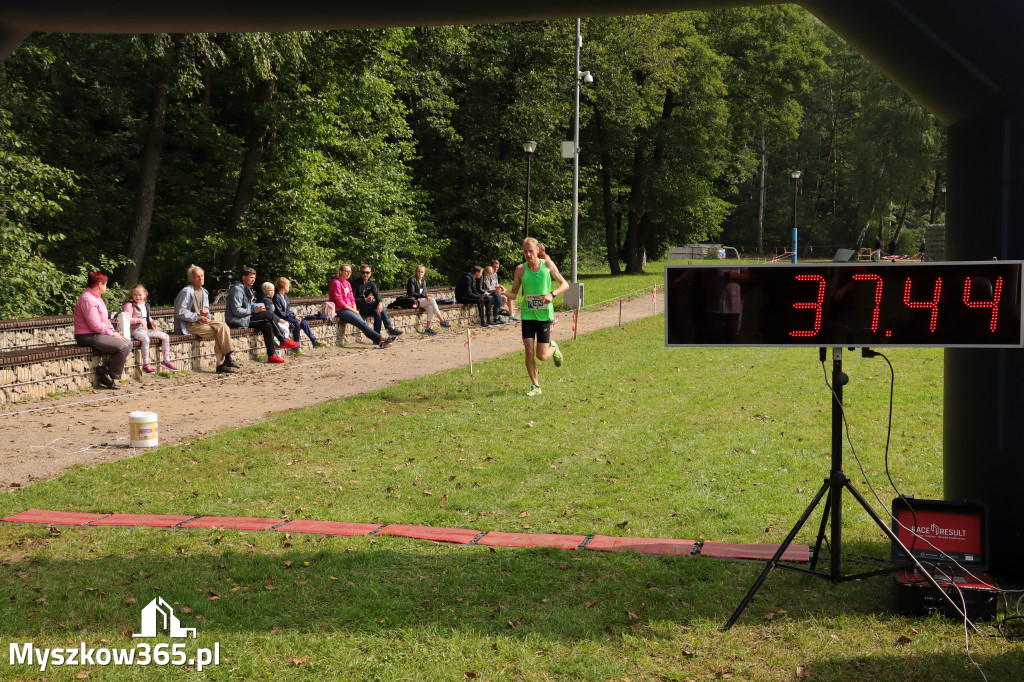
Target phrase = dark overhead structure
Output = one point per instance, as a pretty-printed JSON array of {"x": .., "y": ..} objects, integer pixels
[{"x": 960, "y": 60}]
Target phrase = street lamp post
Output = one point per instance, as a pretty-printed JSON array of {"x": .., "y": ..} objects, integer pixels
[
  {"x": 575, "y": 290},
  {"x": 528, "y": 147},
  {"x": 796, "y": 186}
]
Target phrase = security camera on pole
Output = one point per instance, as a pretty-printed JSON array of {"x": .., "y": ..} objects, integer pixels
[{"x": 573, "y": 297}]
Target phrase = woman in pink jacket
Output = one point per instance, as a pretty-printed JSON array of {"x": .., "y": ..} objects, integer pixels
[
  {"x": 339, "y": 292},
  {"x": 93, "y": 329}
]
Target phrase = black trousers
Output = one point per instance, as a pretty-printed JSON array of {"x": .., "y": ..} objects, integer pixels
[
  {"x": 265, "y": 322},
  {"x": 483, "y": 304}
]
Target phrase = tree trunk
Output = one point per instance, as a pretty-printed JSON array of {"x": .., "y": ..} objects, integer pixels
[
  {"x": 935, "y": 197},
  {"x": 255, "y": 144},
  {"x": 876, "y": 190},
  {"x": 610, "y": 226},
  {"x": 760, "y": 196},
  {"x": 643, "y": 170},
  {"x": 902, "y": 220},
  {"x": 145, "y": 193}
]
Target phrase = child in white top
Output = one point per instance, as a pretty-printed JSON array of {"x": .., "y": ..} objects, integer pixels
[{"x": 145, "y": 328}]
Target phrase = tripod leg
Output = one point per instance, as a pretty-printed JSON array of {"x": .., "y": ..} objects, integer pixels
[
  {"x": 776, "y": 557},
  {"x": 821, "y": 528}
]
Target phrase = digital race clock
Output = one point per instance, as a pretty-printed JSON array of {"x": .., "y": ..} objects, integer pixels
[{"x": 881, "y": 304}]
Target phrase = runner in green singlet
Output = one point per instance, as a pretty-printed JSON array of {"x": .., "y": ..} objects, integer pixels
[{"x": 536, "y": 276}]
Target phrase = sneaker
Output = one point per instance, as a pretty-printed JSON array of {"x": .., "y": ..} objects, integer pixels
[
  {"x": 430, "y": 331},
  {"x": 169, "y": 366},
  {"x": 319, "y": 344},
  {"x": 514, "y": 318},
  {"x": 485, "y": 325},
  {"x": 225, "y": 368},
  {"x": 288, "y": 344},
  {"x": 446, "y": 324},
  {"x": 500, "y": 320},
  {"x": 557, "y": 355},
  {"x": 299, "y": 351},
  {"x": 148, "y": 369},
  {"x": 275, "y": 359},
  {"x": 503, "y": 312},
  {"x": 104, "y": 377},
  {"x": 395, "y": 332},
  {"x": 534, "y": 390},
  {"x": 387, "y": 341}
]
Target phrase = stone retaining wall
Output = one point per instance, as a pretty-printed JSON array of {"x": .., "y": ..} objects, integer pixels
[{"x": 73, "y": 368}]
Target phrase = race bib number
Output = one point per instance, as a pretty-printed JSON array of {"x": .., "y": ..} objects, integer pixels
[{"x": 536, "y": 302}]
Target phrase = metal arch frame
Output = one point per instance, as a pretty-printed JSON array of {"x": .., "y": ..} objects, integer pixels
[{"x": 963, "y": 64}]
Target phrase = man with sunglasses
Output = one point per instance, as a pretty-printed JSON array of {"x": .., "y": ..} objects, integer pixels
[{"x": 368, "y": 301}]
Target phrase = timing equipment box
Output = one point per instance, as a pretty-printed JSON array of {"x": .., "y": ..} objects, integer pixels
[{"x": 951, "y": 542}]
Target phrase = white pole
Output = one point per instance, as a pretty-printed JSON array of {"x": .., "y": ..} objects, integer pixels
[{"x": 576, "y": 156}]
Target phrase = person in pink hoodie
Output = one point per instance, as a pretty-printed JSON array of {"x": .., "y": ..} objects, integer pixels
[
  {"x": 93, "y": 329},
  {"x": 339, "y": 292}
]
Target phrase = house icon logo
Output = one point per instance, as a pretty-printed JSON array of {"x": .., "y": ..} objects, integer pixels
[{"x": 158, "y": 614}]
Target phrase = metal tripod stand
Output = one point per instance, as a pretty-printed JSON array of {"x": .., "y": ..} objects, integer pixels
[{"x": 832, "y": 491}]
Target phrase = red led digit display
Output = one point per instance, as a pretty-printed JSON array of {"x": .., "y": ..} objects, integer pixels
[
  {"x": 845, "y": 304},
  {"x": 993, "y": 304},
  {"x": 878, "y": 296},
  {"x": 815, "y": 306},
  {"x": 933, "y": 304}
]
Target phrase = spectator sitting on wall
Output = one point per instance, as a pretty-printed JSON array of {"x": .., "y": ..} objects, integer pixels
[
  {"x": 368, "y": 301},
  {"x": 244, "y": 313},
  {"x": 192, "y": 316}
]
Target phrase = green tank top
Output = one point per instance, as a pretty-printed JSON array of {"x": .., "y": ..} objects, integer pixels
[{"x": 535, "y": 286}]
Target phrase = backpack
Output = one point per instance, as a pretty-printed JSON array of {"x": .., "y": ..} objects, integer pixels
[{"x": 402, "y": 303}]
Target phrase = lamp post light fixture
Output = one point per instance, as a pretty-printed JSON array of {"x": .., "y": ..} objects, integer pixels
[
  {"x": 796, "y": 190},
  {"x": 529, "y": 147}
]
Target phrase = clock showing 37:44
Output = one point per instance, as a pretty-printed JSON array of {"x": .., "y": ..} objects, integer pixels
[{"x": 956, "y": 304}]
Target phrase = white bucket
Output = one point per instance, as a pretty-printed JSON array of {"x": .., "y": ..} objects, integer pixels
[{"x": 142, "y": 427}]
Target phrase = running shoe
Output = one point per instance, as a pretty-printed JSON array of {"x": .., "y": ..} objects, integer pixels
[
  {"x": 288, "y": 344},
  {"x": 395, "y": 332},
  {"x": 557, "y": 355},
  {"x": 446, "y": 324},
  {"x": 534, "y": 390},
  {"x": 319, "y": 344},
  {"x": 275, "y": 360},
  {"x": 514, "y": 318},
  {"x": 169, "y": 366},
  {"x": 148, "y": 368},
  {"x": 430, "y": 331},
  {"x": 299, "y": 351},
  {"x": 387, "y": 341}
]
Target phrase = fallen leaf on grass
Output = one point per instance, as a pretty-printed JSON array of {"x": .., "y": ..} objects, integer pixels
[
  {"x": 801, "y": 671},
  {"x": 903, "y": 640},
  {"x": 296, "y": 662},
  {"x": 471, "y": 675}
]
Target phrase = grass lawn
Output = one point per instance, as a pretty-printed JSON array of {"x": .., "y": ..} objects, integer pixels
[{"x": 629, "y": 438}]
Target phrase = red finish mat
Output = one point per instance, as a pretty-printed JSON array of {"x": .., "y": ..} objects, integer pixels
[
  {"x": 499, "y": 539},
  {"x": 725, "y": 550},
  {"x": 232, "y": 523},
  {"x": 328, "y": 527},
  {"x": 460, "y": 535},
  {"x": 150, "y": 520},
  {"x": 56, "y": 518},
  {"x": 605, "y": 543}
]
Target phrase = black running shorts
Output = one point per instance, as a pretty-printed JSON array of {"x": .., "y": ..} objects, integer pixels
[{"x": 539, "y": 329}]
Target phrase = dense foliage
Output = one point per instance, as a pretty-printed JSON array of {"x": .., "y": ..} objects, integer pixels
[{"x": 140, "y": 155}]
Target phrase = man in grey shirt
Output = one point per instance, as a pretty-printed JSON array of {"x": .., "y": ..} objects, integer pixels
[{"x": 192, "y": 316}]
